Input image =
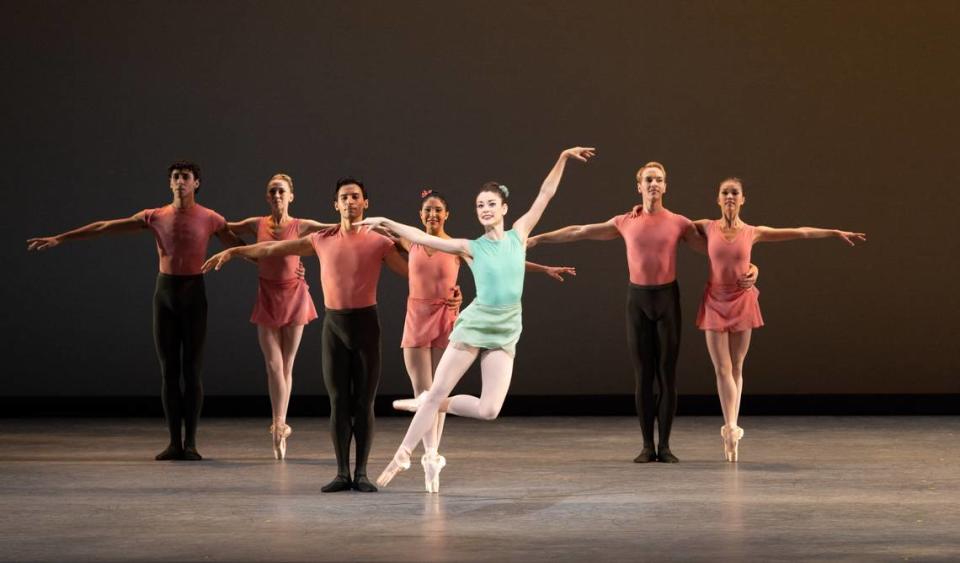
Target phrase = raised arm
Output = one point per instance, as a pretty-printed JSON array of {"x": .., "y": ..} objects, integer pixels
[
  {"x": 596, "y": 231},
  {"x": 525, "y": 224},
  {"x": 771, "y": 234},
  {"x": 416, "y": 236},
  {"x": 295, "y": 247},
  {"x": 111, "y": 226}
]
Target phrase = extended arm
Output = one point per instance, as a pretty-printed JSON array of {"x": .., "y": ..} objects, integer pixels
[
  {"x": 416, "y": 236},
  {"x": 525, "y": 224},
  {"x": 308, "y": 226},
  {"x": 111, "y": 226},
  {"x": 555, "y": 272},
  {"x": 596, "y": 231},
  {"x": 296, "y": 247},
  {"x": 770, "y": 234},
  {"x": 247, "y": 226}
]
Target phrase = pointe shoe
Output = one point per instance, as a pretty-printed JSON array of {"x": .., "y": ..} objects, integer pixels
[
  {"x": 432, "y": 464},
  {"x": 408, "y": 405},
  {"x": 400, "y": 462},
  {"x": 736, "y": 434},
  {"x": 725, "y": 442},
  {"x": 280, "y": 435}
]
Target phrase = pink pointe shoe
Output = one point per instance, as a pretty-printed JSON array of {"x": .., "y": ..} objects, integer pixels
[
  {"x": 280, "y": 435},
  {"x": 400, "y": 462},
  {"x": 432, "y": 464},
  {"x": 408, "y": 405},
  {"x": 731, "y": 436}
]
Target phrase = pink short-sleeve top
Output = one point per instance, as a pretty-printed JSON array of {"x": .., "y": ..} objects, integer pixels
[
  {"x": 350, "y": 266},
  {"x": 651, "y": 240},
  {"x": 182, "y": 236}
]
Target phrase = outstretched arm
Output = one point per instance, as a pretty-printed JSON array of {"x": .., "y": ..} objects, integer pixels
[
  {"x": 770, "y": 234},
  {"x": 416, "y": 236},
  {"x": 296, "y": 247},
  {"x": 247, "y": 226},
  {"x": 596, "y": 231},
  {"x": 525, "y": 224},
  {"x": 111, "y": 226},
  {"x": 555, "y": 272},
  {"x": 308, "y": 226}
]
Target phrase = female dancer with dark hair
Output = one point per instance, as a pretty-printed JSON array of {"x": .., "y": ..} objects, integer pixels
[
  {"x": 490, "y": 327},
  {"x": 729, "y": 312},
  {"x": 431, "y": 312},
  {"x": 284, "y": 305}
]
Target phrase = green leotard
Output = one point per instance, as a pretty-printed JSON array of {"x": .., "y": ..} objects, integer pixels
[{"x": 493, "y": 319}]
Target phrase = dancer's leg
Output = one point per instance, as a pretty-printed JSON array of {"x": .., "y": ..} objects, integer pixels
[
  {"x": 289, "y": 345},
  {"x": 669, "y": 329},
  {"x": 166, "y": 338},
  {"x": 270, "y": 345},
  {"x": 436, "y": 354},
  {"x": 336, "y": 379},
  {"x": 641, "y": 341},
  {"x": 365, "y": 339},
  {"x": 496, "y": 369},
  {"x": 739, "y": 345},
  {"x": 718, "y": 344},
  {"x": 193, "y": 320},
  {"x": 419, "y": 364}
]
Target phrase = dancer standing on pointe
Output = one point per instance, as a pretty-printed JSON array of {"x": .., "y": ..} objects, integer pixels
[
  {"x": 431, "y": 313},
  {"x": 350, "y": 261},
  {"x": 182, "y": 231},
  {"x": 490, "y": 327},
  {"x": 729, "y": 312},
  {"x": 284, "y": 305},
  {"x": 651, "y": 233}
]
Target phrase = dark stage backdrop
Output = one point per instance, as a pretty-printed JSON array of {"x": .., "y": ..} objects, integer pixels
[{"x": 836, "y": 114}]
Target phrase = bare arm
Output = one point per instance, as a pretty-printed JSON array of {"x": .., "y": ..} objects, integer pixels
[
  {"x": 555, "y": 272},
  {"x": 525, "y": 224},
  {"x": 695, "y": 236},
  {"x": 416, "y": 236},
  {"x": 308, "y": 226},
  {"x": 596, "y": 231},
  {"x": 247, "y": 226},
  {"x": 395, "y": 262},
  {"x": 295, "y": 247},
  {"x": 228, "y": 238},
  {"x": 770, "y": 234},
  {"x": 111, "y": 226}
]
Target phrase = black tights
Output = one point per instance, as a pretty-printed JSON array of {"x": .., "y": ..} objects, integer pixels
[
  {"x": 653, "y": 335},
  {"x": 179, "y": 331},
  {"x": 351, "y": 374}
]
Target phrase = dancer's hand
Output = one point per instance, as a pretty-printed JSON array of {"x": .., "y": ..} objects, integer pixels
[
  {"x": 455, "y": 299},
  {"x": 217, "y": 261},
  {"x": 582, "y": 154},
  {"x": 373, "y": 222},
  {"x": 852, "y": 238},
  {"x": 42, "y": 243},
  {"x": 301, "y": 270},
  {"x": 556, "y": 272},
  {"x": 748, "y": 280}
]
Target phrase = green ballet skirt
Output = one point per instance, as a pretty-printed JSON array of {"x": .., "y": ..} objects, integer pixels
[{"x": 490, "y": 327}]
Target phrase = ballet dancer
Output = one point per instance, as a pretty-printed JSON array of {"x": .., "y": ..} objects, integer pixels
[
  {"x": 490, "y": 326},
  {"x": 350, "y": 257},
  {"x": 729, "y": 312},
  {"x": 182, "y": 231},
  {"x": 431, "y": 315},
  {"x": 651, "y": 233},
  {"x": 284, "y": 305}
]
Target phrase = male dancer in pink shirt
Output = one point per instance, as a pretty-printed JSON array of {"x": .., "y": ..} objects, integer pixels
[
  {"x": 182, "y": 231},
  {"x": 350, "y": 261},
  {"x": 651, "y": 233}
]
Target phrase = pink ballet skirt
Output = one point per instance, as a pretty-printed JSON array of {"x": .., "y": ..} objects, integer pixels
[
  {"x": 283, "y": 303},
  {"x": 729, "y": 308},
  {"x": 428, "y": 323}
]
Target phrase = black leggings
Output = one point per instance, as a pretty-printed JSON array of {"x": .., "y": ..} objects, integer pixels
[
  {"x": 179, "y": 331},
  {"x": 351, "y": 374},
  {"x": 653, "y": 335}
]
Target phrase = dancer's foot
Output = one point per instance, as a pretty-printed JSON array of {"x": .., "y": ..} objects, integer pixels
[
  {"x": 735, "y": 435},
  {"x": 362, "y": 484},
  {"x": 400, "y": 462},
  {"x": 173, "y": 451},
  {"x": 339, "y": 483},
  {"x": 664, "y": 455},
  {"x": 409, "y": 405},
  {"x": 190, "y": 453},
  {"x": 280, "y": 433},
  {"x": 647, "y": 454},
  {"x": 432, "y": 464},
  {"x": 725, "y": 441}
]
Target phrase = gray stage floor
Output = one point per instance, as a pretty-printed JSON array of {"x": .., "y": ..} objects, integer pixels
[{"x": 529, "y": 489}]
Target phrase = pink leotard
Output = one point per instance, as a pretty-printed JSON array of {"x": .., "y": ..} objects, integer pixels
[
  {"x": 429, "y": 320},
  {"x": 350, "y": 266},
  {"x": 283, "y": 297},
  {"x": 726, "y": 307},
  {"x": 182, "y": 236},
  {"x": 651, "y": 240}
]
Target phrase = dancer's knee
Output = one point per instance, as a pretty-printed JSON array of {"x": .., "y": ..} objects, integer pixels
[
  {"x": 488, "y": 411},
  {"x": 723, "y": 371}
]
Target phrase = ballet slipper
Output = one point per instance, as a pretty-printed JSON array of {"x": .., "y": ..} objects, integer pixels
[
  {"x": 736, "y": 435},
  {"x": 173, "y": 451},
  {"x": 647, "y": 455},
  {"x": 408, "y": 405},
  {"x": 400, "y": 462},
  {"x": 664, "y": 455},
  {"x": 280, "y": 434},
  {"x": 432, "y": 464}
]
